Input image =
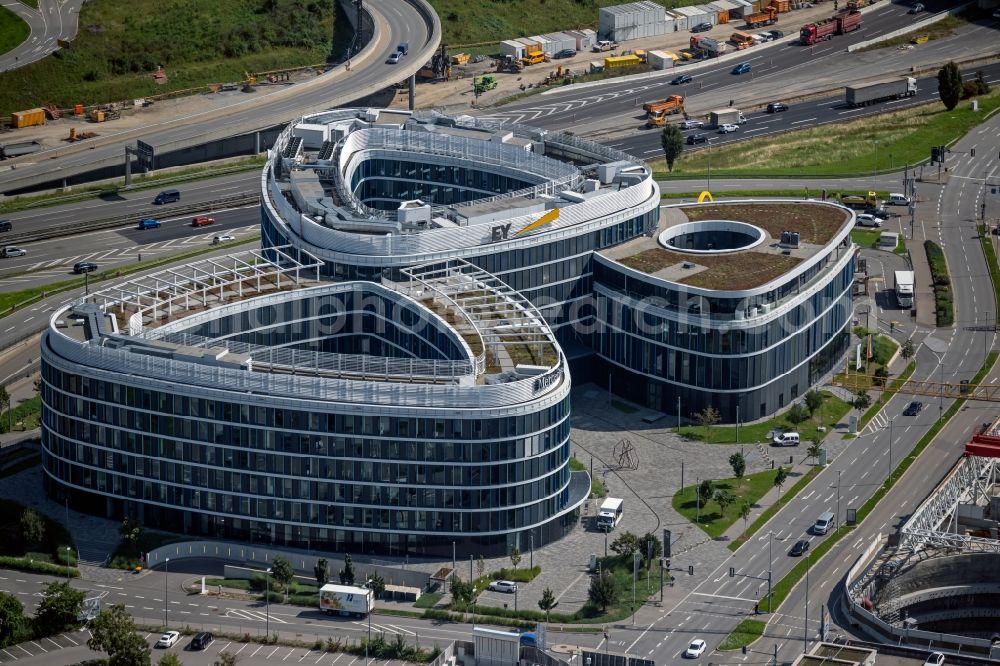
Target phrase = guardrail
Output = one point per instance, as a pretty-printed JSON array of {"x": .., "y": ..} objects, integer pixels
[{"x": 128, "y": 220}]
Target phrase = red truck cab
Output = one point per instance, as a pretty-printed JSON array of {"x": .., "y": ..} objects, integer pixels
[{"x": 202, "y": 221}]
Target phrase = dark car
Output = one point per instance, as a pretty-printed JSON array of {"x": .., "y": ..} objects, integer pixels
[
  {"x": 776, "y": 34},
  {"x": 741, "y": 68},
  {"x": 201, "y": 640},
  {"x": 776, "y": 107},
  {"x": 702, "y": 27},
  {"x": 696, "y": 138},
  {"x": 683, "y": 78},
  {"x": 799, "y": 548},
  {"x": 913, "y": 408},
  {"x": 84, "y": 267},
  {"x": 874, "y": 211},
  {"x": 5, "y": 225},
  {"x": 565, "y": 53}
]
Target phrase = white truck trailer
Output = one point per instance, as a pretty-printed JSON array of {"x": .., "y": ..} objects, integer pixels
[
  {"x": 904, "y": 288},
  {"x": 346, "y": 600},
  {"x": 722, "y": 117},
  {"x": 881, "y": 92}
]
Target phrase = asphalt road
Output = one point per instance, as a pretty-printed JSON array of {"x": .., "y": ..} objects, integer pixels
[
  {"x": 52, "y": 21},
  {"x": 395, "y": 21}
]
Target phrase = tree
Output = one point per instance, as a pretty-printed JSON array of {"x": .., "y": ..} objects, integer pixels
[
  {"x": 815, "y": 447},
  {"x": 745, "y": 515},
  {"x": 130, "y": 531},
  {"x": 32, "y": 527},
  {"x": 347, "y": 573},
  {"x": 739, "y": 464},
  {"x": 673, "y": 144},
  {"x": 5, "y": 405},
  {"x": 481, "y": 566},
  {"x": 625, "y": 545},
  {"x": 58, "y": 610},
  {"x": 780, "y": 477},
  {"x": 547, "y": 602},
  {"x": 797, "y": 414},
  {"x": 11, "y": 619},
  {"x": 907, "y": 350},
  {"x": 705, "y": 491},
  {"x": 376, "y": 584},
  {"x": 649, "y": 541},
  {"x": 813, "y": 400},
  {"x": 322, "y": 571},
  {"x": 707, "y": 417},
  {"x": 281, "y": 569},
  {"x": 724, "y": 499},
  {"x": 950, "y": 85},
  {"x": 226, "y": 659},
  {"x": 170, "y": 659},
  {"x": 114, "y": 632},
  {"x": 862, "y": 400},
  {"x": 462, "y": 591},
  {"x": 515, "y": 557},
  {"x": 603, "y": 591},
  {"x": 881, "y": 374}
]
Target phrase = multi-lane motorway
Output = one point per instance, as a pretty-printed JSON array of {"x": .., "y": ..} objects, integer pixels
[
  {"x": 411, "y": 20},
  {"x": 51, "y": 21}
]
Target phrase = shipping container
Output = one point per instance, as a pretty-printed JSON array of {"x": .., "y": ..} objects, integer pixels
[
  {"x": 660, "y": 60},
  {"x": 512, "y": 48},
  {"x": 585, "y": 39},
  {"x": 680, "y": 20},
  {"x": 617, "y": 62},
  {"x": 28, "y": 118},
  {"x": 635, "y": 20},
  {"x": 596, "y": 66}
]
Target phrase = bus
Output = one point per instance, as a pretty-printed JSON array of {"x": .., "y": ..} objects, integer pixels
[{"x": 610, "y": 514}]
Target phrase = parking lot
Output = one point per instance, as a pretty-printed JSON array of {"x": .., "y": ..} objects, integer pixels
[{"x": 71, "y": 648}]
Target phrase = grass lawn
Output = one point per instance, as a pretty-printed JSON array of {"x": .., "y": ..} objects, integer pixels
[
  {"x": 51, "y": 548},
  {"x": 127, "y": 557},
  {"x": 828, "y": 415},
  {"x": 428, "y": 600},
  {"x": 13, "y": 30},
  {"x": 745, "y": 633},
  {"x": 865, "y": 237},
  {"x": 840, "y": 149},
  {"x": 786, "y": 496},
  {"x": 943, "y": 28},
  {"x": 120, "y": 44},
  {"x": 474, "y": 22},
  {"x": 710, "y": 517},
  {"x": 26, "y": 416}
]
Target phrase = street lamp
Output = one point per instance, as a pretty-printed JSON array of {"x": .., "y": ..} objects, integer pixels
[
  {"x": 890, "y": 452},
  {"x": 838, "y": 500},
  {"x": 69, "y": 549},
  {"x": 166, "y": 576},
  {"x": 709, "y": 151},
  {"x": 267, "y": 604},
  {"x": 805, "y": 627}
]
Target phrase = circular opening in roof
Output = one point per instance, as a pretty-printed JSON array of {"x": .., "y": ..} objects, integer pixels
[{"x": 712, "y": 237}]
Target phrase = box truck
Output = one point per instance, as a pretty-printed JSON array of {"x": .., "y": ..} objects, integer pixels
[{"x": 346, "y": 600}]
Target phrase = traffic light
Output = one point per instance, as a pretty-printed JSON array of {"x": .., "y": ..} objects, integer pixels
[
  {"x": 936, "y": 155},
  {"x": 666, "y": 544}
]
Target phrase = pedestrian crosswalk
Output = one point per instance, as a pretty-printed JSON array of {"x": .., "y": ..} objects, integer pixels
[
  {"x": 64, "y": 265},
  {"x": 878, "y": 422}
]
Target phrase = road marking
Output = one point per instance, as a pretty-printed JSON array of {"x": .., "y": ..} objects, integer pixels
[
  {"x": 272, "y": 652},
  {"x": 721, "y": 596},
  {"x": 797, "y": 122}
]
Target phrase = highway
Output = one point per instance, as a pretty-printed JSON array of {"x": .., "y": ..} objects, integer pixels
[
  {"x": 52, "y": 21},
  {"x": 395, "y": 21}
]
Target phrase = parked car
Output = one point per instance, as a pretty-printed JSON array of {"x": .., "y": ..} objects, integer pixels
[
  {"x": 149, "y": 223},
  {"x": 917, "y": 8},
  {"x": 394, "y": 58},
  {"x": 695, "y": 649},
  {"x": 741, "y": 68},
  {"x": 565, "y": 53},
  {"x": 696, "y": 138},
  {"x": 875, "y": 211},
  {"x": 201, "y": 640},
  {"x": 934, "y": 659},
  {"x": 866, "y": 220},
  {"x": 786, "y": 439},
  {"x": 776, "y": 34},
  {"x": 777, "y": 107},
  {"x": 996, "y": 13},
  {"x": 702, "y": 27},
  {"x": 11, "y": 251},
  {"x": 765, "y": 36},
  {"x": 503, "y": 586},
  {"x": 223, "y": 238},
  {"x": 897, "y": 199},
  {"x": 678, "y": 80},
  {"x": 727, "y": 128},
  {"x": 913, "y": 408},
  {"x": 168, "y": 639},
  {"x": 691, "y": 123},
  {"x": 84, "y": 267},
  {"x": 800, "y": 548}
]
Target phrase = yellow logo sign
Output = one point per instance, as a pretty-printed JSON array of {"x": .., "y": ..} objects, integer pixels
[
  {"x": 540, "y": 222},
  {"x": 705, "y": 195}
]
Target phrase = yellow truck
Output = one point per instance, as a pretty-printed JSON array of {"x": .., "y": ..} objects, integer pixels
[
  {"x": 657, "y": 112},
  {"x": 742, "y": 40},
  {"x": 534, "y": 55}
]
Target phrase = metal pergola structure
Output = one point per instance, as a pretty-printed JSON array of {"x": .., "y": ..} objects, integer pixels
[{"x": 146, "y": 299}]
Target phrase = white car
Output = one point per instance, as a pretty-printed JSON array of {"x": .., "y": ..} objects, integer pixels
[
  {"x": 394, "y": 58},
  {"x": 691, "y": 124},
  {"x": 223, "y": 238},
  {"x": 866, "y": 220},
  {"x": 503, "y": 586},
  {"x": 168, "y": 639},
  {"x": 727, "y": 128},
  {"x": 935, "y": 659},
  {"x": 695, "y": 650},
  {"x": 766, "y": 36}
]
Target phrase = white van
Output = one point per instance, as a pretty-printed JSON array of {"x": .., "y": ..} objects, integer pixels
[
  {"x": 786, "y": 439},
  {"x": 824, "y": 523},
  {"x": 898, "y": 200}
]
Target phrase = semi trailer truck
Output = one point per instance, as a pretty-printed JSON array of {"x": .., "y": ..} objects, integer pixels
[{"x": 882, "y": 91}]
